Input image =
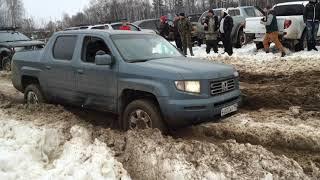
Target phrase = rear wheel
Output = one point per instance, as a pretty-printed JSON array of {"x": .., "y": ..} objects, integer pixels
[
  {"x": 303, "y": 42},
  {"x": 259, "y": 45},
  {"x": 241, "y": 39},
  {"x": 33, "y": 95},
  {"x": 143, "y": 114}
]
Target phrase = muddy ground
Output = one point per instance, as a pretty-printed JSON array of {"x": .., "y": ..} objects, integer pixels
[{"x": 275, "y": 134}]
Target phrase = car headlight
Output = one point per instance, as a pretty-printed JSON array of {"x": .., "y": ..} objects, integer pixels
[
  {"x": 188, "y": 86},
  {"x": 236, "y": 74}
]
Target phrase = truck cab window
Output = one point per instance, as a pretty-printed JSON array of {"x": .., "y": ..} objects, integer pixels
[
  {"x": 91, "y": 45},
  {"x": 64, "y": 47}
]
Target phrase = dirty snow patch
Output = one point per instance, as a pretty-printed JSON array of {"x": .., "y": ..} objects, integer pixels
[{"x": 30, "y": 152}]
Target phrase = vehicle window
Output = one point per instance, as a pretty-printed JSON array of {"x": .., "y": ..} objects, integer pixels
[
  {"x": 84, "y": 27},
  {"x": 148, "y": 25},
  {"x": 205, "y": 14},
  {"x": 250, "y": 12},
  {"x": 64, "y": 47},
  {"x": 91, "y": 45},
  {"x": 133, "y": 28},
  {"x": 234, "y": 12},
  {"x": 116, "y": 26},
  {"x": 150, "y": 47},
  {"x": 258, "y": 13},
  {"x": 289, "y": 10},
  {"x": 217, "y": 12},
  {"x": 12, "y": 36},
  {"x": 99, "y": 27}
]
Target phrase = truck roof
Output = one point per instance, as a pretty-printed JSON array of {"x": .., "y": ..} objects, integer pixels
[
  {"x": 100, "y": 32},
  {"x": 293, "y": 3}
]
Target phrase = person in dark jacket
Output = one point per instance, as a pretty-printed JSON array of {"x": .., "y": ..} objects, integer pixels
[
  {"x": 177, "y": 37},
  {"x": 311, "y": 18},
  {"x": 164, "y": 27},
  {"x": 185, "y": 28},
  {"x": 211, "y": 26},
  {"x": 226, "y": 25},
  {"x": 272, "y": 31}
]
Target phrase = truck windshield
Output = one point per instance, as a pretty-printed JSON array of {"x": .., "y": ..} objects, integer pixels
[
  {"x": 6, "y": 36},
  {"x": 139, "y": 48}
]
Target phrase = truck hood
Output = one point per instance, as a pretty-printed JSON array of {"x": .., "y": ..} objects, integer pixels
[
  {"x": 22, "y": 43},
  {"x": 189, "y": 68}
]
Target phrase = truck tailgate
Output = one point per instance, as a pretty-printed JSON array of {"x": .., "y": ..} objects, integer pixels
[{"x": 253, "y": 26}]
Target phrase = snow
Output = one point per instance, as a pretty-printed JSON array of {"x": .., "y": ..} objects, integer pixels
[
  {"x": 250, "y": 53},
  {"x": 31, "y": 152}
]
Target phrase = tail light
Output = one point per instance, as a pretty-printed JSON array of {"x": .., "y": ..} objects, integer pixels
[{"x": 287, "y": 24}]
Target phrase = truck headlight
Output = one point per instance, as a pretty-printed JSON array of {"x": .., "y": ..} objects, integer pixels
[
  {"x": 188, "y": 86},
  {"x": 236, "y": 74}
]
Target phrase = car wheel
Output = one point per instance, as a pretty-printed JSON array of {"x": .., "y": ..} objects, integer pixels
[
  {"x": 241, "y": 39},
  {"x": 143, "y": 114},
  {"x": 259, "y": 45},
  {"x": 303, "y": 42},
  {"x": 6, "y": 64},
  {"x": 33, "y": 95}
]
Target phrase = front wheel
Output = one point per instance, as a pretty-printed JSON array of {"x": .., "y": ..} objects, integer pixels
[
  {"x": 303, "y": 42},
  {"x": 143, "y": 114},
  {"x": 33, "y": 95}
]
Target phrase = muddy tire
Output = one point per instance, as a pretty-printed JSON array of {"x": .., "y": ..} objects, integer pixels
[
  {"x": 143, "y": 114},
  {"x": 6, "y": 64},
  {"x": 33, "y": 95},
  {"x": 259, "y": 45},
  {"x": 241, "y": 39},
  {"x": 302, "y": 42}
]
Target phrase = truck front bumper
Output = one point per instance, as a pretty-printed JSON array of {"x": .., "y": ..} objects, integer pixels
[{"x": 178, "y": 113}]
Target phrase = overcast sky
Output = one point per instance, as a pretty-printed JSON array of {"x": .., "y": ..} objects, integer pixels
[{"x": 46, "y": 10}]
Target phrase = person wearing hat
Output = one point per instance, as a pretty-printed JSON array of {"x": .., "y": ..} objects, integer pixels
[
  {"x": 211, "y": 26},
  {"x": 185, "y": 28},
  {"x": 272, "y": 31},
  {"x": 176, "y": 34},
  {"x": 125, "y": 26},
  {"x": 226, "y": 25},
  {"x": 164, "y": 27},
  {"x": 311, "y": 18}
]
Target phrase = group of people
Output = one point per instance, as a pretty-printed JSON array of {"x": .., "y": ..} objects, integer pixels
[
  {"x": 311, "y": 18},
  {"x": 181, "y": 30}
]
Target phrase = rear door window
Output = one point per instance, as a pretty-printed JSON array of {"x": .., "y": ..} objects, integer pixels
[
  {"x": 289, "y": 10},
  {"x": 234, "y": 12},
  {"x": 64, "y": 47},
  {"x": 250, "y": 12}
]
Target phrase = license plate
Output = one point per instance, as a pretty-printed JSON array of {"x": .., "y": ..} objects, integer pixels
[{"x": 229, "y": 109}]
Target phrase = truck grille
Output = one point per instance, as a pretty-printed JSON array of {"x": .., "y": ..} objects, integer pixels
[{"x": 220, "y": 87}]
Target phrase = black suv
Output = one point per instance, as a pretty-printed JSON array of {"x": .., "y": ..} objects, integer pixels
[{"x": 12, "y": 41}]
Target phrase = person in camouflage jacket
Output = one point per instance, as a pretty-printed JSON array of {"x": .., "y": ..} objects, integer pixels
[{"x": 185, "y": 29}]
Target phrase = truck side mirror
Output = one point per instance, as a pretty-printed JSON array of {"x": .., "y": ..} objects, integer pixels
[{"x": 104, "y": 60}]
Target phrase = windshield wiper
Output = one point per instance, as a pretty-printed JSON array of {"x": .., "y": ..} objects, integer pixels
[{"x": 138, "y": 60}]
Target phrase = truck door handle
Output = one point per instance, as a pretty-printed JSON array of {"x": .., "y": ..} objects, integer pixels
[
  {"x": 80, "y": 71},
  {"x": 48, "y": 67}
]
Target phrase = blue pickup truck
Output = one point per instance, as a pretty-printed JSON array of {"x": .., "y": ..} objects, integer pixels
[{"x": 140, "y": 77}]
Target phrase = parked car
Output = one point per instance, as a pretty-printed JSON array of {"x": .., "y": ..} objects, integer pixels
[
  {"x": 112, "y": 26},
  {"x": 239, "y": 15},
  {"x": 139, "y": 76},
  {"x": 153, "y": 24},
  {"x": 292, "y": 29},
  {"x": 12, "y": 41}
]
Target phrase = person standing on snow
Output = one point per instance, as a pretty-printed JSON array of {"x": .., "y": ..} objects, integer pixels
[
  {"x": 125, "y": 25},
  {"x": 211, "y": 26},
  {"x": 226, "y": 25},
  {"x": 272, "y": 34},
  {"x": 311, "y": 17},
  {"x": 176, "y": 34},
  {"x": 164, "y": 27},
  {"x": 185, "y": 28}
]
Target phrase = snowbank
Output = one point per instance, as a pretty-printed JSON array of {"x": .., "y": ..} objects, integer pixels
[
  {"x": 30, "y": 152},
  {"x": 248, "y": 59}
]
